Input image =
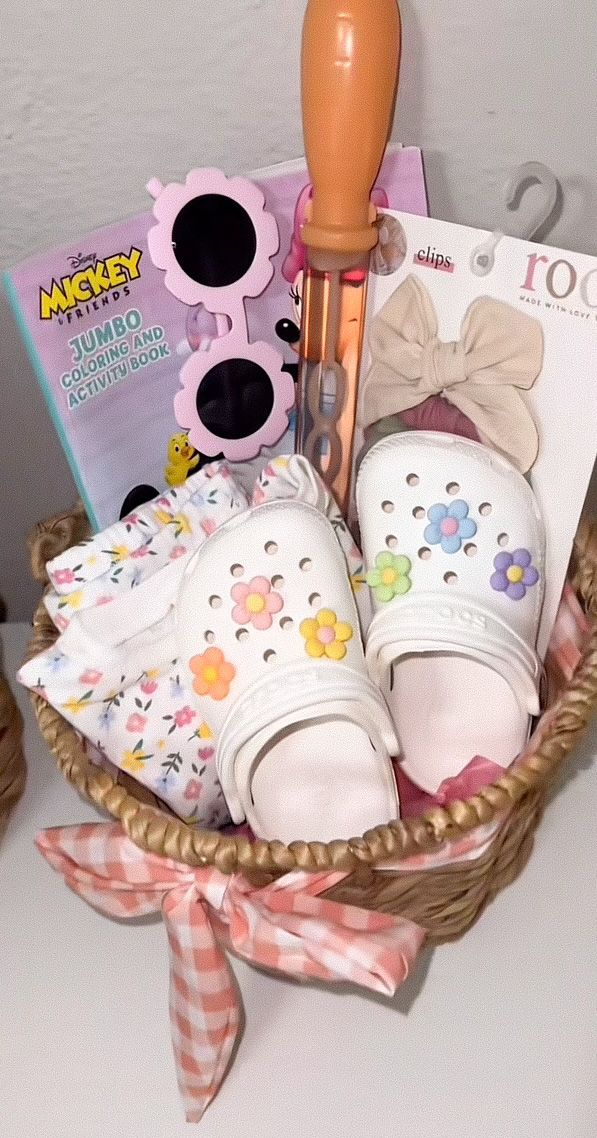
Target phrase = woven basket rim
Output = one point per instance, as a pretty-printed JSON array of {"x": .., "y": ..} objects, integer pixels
[{"x": 164, "y": 834}]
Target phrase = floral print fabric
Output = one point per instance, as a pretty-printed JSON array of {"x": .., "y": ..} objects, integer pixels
[{"x": 146, "y": 722}]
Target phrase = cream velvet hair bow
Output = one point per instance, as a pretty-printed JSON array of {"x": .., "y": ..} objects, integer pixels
[{"x": 499, "y": 352}]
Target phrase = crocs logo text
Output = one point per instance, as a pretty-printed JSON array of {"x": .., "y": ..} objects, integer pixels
[
  {"x": 463, "y": 616},
  {"x": 272, "y": 691}
]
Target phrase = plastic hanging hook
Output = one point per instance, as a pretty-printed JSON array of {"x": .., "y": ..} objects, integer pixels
[
  {"x": 526, "y": 175},
  {"x": 524, "y": 228}
]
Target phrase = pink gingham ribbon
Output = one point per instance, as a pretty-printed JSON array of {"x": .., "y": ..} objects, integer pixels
[{"x": 284, "y": 926}]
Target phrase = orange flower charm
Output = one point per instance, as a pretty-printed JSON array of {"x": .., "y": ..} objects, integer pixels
[{"x": 214, "y": 674}]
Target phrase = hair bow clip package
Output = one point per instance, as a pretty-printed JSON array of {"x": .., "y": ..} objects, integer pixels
[{"x": 507, "y": 358}]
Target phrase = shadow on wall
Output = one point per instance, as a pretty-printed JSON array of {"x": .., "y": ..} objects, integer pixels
[{"x": 35, "y": 478}]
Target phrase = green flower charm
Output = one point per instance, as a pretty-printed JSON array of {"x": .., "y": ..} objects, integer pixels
[{"x": 390, "y": 578}]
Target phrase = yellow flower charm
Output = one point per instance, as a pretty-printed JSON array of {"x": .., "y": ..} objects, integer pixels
[{"x": 325, "y": 635}]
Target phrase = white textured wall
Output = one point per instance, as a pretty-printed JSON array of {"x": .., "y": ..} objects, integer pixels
[{"x": 96, "y": 97}]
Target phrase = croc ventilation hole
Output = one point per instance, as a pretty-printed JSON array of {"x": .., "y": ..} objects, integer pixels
[
  {"x": 269, "y": 656},
  {"x": 306, "y": 564},
  {"x": 452, "y": 488},
  {"x": 450, "y": 578},
  {"x": 278, "y": 582},
  {"x": 470, "y": 549},
  {"x": 418, "y": 513},
  {"x": 391, "y": 541},
  {"x": 485, "y": 509},
  {"x": 387, "y": 507},
  {"x": 503, "y": 539},
  {"x": 271, "y": 547},
  {"x": 424, "y": 553},
  {"x": 241, "y": 635},
  {"x": 209, "y": 636},
  {"x": 412, "y": 479},
  {"x": 314, "y": 599},
  {"x": 236, "y": 570},
  {"x": 286, "y": 623},
  {"x": 215, "y": 602}
]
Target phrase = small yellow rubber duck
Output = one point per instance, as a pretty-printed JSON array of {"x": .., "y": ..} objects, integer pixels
[{"x": 183, "y": 459}]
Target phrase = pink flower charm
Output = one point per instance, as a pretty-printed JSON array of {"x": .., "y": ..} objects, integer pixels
[
  {"x": 177, "y": 551},
  {"x": 148, "y": 687},
  {"x": 91, "y": 676},
  {"x": 255, "y": 603},
  {"x": 184, "y": 716},
  {"x": 136, "y": 722},
  {"x": 63, "y": 577},
  {"x": 193, "y": 790}
]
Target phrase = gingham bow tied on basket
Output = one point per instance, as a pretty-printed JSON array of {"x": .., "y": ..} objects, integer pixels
[
  {"x": 284, "y": 926},
  {"x": 499, "y": 354}
]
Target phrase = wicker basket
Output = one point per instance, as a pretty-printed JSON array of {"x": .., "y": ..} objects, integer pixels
[
  {"x": 445, "y": 901},
  {"x": 12, "y": 761}
]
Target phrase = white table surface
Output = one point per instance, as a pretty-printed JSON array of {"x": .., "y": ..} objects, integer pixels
[{"x": 492, "y": 1037}]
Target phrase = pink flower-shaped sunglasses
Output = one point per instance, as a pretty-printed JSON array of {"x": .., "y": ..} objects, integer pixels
[{"x": 215, "y": 241}]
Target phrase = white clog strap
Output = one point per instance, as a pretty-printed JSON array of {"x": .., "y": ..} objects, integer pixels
[
  {"x": 432, "y": 623},
  {"x": 296, "y": 693}
]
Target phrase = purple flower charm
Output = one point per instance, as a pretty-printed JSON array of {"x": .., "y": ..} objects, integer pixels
[
  {"x": 449, "y": 525},
  {"x": 514, "y": 574}
]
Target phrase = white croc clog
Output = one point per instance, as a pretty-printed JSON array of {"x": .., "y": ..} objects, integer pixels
[
  {"x": 454, "y": 548},
  {"x": 268, "y": 628}
]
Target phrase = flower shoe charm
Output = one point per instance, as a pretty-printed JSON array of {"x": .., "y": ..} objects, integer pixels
[
  {"x": 213, "y": 674},
  {"x": 449, "y": 526},
  {"x": 390, "y": 577},
  {"x": 325, "y": 635},
  {"x": 514, "y": 574},
  {"x": 255, "y": 603}
]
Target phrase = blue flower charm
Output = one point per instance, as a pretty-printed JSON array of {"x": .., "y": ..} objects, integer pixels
[{"x": 449, "y": 525}]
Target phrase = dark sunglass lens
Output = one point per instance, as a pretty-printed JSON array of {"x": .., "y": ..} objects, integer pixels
[
  {"x": 214, "y": 240},
  {"x": 235, "y": 399}
]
